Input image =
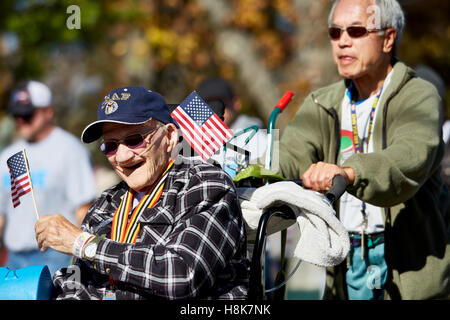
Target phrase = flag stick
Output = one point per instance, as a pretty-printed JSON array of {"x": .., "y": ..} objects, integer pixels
[{"x": 31, "y": 184}]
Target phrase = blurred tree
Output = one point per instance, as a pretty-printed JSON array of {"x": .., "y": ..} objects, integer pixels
[
  {"x": 264, "y": 47},
  {"x": 427, "y": 37}
]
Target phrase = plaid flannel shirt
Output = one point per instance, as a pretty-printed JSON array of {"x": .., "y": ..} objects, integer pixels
[{"x": 192, "y": 243}]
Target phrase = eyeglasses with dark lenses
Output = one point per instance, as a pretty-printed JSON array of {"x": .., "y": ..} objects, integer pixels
[
  {"x": 353, "y": 31},
  {"x": 133, "y": 141},
  {"x": 26, "y": 119}
]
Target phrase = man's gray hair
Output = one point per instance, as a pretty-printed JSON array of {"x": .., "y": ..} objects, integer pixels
[{"x": 385, "y": 14}]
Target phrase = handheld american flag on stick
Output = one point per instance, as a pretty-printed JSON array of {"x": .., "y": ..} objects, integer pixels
[
  {"x": 20, "y": 178},
  {"x": 202, "y": 128}
]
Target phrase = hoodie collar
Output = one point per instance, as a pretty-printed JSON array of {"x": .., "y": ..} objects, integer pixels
[{"x": 330, "y": 97}]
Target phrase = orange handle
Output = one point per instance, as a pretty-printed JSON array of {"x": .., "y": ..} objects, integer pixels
[{"x": 285, "y": 99}]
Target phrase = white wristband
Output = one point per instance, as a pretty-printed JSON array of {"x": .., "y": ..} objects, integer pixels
[{"x": 80, "y": 242}]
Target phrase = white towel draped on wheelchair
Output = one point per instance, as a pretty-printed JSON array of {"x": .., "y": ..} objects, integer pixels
[{"x": 322, "y": 239}]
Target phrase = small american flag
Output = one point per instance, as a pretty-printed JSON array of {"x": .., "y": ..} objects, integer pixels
[
  {"x": 202, "y": 128},
  {"x": 20, "y": 179}
]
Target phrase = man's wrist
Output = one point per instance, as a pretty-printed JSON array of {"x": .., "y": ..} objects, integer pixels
[
  {"x": 80, "y": 242},
  {"x": 350, "y": 175},
  {"x": 90, "y": 248}
]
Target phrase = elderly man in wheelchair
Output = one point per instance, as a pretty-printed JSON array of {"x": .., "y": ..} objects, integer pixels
[{"x": 173, "y": 228}]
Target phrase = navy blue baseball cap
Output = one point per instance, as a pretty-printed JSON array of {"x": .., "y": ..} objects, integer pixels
[{"x": 128, "y": 105}]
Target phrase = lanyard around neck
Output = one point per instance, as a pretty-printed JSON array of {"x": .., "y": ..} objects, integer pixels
[
  {"x": 356, "y": 143},
  {"x": 358, "y": 150}
]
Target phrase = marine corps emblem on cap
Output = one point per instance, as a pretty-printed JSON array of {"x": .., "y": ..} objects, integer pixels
[{"x": 110, "y": 106}]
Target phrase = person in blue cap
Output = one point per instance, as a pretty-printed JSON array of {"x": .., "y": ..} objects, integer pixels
[{"x": 172, "y": 228}]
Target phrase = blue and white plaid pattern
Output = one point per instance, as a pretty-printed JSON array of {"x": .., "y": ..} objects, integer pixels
[{"x": 192, "y": 244}]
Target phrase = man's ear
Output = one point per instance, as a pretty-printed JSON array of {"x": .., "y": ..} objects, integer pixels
[
  {"x": 49, "y": 112},
  {"x": 172, "y": 137},
  {"x": 237, "y": 104},
  {"x": 389, "y": 40}
]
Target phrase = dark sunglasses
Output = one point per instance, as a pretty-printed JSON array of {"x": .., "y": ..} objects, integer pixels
[
  {"x": 352, "y": 31},
  {"x": 133, "y": 141},
  {"x": 26, "y": 119}
]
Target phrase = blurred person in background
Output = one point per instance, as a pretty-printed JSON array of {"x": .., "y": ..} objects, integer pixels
[
  {"x": 61, "y": 173},
  {"x": 219, "y": 94},
  {"x": 217, "y": 90},
  {"x": 379, "y": 128},
  {"x": 6, "y": 129}
]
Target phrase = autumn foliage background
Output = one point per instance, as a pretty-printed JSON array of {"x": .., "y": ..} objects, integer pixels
[{"x": 264, "y": 47}]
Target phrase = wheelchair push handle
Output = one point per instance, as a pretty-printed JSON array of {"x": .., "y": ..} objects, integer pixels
[
  {"x": 337, "y": 189},
  {"x": 285, "y": 99},
  {"x": 279, "y": 107}
]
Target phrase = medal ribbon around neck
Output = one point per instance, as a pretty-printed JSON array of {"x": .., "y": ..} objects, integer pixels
[{"x": 126, "y": 231}]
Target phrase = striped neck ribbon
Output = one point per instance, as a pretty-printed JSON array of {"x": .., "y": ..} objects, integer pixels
[{"x": 125, "y": 227}]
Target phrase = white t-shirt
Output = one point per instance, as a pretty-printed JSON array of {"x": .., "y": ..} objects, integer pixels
[
  {"x": 62, "y": 177},
  {"x": 350, "y": 206}
]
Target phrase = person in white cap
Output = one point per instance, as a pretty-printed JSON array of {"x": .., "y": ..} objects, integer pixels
[
  {"x": 221, "y": 97},
  {"x": 61, "y": 173}
]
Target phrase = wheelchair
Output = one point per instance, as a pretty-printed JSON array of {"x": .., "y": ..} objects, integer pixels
[{"x": 35, "y": 283}]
